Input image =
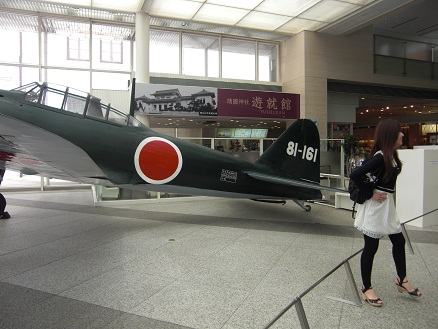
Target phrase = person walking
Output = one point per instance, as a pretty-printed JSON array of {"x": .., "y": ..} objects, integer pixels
[
  {"x": 377, "y": 216},
  {"x": 3, "y": 214}
]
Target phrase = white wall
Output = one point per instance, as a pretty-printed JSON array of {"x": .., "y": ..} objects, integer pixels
[
  {"x": 119, "y": 99},
  {"x": 417, "y": 186}
]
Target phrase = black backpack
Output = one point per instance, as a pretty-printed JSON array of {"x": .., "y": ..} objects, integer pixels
[{"x": 360, "y": 196}]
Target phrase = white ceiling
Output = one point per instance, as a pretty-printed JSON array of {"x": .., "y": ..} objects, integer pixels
[
  {"x": 281, "y": 16},
  {"x": 274, "y": 20}
]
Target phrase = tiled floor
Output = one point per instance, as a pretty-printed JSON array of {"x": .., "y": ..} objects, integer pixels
[{"x": 195, "y": 263}]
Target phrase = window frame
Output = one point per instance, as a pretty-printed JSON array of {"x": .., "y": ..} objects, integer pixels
[
  {"x": 111, "y": 52},
  {"x": 79, "y": 49}
]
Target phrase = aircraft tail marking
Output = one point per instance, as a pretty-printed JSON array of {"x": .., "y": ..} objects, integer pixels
[{"x": 295, "y": 154}]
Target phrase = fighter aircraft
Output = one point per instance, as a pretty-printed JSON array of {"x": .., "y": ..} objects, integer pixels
[{"x": 62, "y": 133}]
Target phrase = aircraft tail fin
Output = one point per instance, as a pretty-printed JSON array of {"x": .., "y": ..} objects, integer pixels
[{"x": 295, "y": 153}]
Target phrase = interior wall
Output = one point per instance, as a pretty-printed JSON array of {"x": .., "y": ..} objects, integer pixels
[
  {"x": 341, "y": 107},
  {"x": 309, "y": 59}
]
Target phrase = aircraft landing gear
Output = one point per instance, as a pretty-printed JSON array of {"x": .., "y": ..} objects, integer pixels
[{"x": 302, "y": 205}]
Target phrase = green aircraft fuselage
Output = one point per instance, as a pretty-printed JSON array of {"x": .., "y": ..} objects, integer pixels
[{"x": 110, "y": 148}]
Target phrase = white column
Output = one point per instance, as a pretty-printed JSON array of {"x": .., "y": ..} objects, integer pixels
[{"x": 142, "y": 47}]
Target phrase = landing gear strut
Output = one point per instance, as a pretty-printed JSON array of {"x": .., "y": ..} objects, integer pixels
[{"x": 302, "y": 205}]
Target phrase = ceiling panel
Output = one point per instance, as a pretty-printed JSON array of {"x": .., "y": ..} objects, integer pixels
[
  {"x": 264, "y": 21},
  {"x": 181, "y": 9},
  {"x": 261, "y": 19},
  {"x": 220, "y": 14}
]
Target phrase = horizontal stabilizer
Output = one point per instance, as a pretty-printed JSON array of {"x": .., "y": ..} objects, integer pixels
[{"x": 290, "y": 182}]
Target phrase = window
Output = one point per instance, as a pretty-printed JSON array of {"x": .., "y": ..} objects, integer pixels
[
  {"x": 78, "y": 49},
  {"x": 111, "y": 51},
  {"x": 200, "y": 55},
  {"x": 110, "y": 80},
  {"x": 238, "y": 59},
  {"x": 117, "y": 117},
  {"x": 164, "y": 52},
  {"x": 76, "y": 79},
  {"x": 75, "y": 103},
  {"x": 11, "y": 40},
  {"x": 53, "y": 98},
  {"x": 15, "y": 76},
  {"x": 267, "y": 56}
]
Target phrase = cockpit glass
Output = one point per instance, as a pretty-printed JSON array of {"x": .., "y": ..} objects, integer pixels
[{"x": 72, "y": 100}]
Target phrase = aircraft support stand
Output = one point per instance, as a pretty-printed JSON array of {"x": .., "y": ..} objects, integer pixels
[{"x": 302, "y": 205}]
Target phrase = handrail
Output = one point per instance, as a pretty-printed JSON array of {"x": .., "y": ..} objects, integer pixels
[
  {"x": 299, "y": 306},
  {"x": 305, "y": 292},
  {"x": 427, "y": 213},
  {"x": 405, "y": 233}
]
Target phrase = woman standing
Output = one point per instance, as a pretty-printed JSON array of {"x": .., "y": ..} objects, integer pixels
[{"x": 377, "y": 216}]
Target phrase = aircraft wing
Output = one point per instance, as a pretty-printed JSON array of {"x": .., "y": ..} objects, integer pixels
[
  {"x": 35, "y": 151},
  {"x": 290, "y": 182}
]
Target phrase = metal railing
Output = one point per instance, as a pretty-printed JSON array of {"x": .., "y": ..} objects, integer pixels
[{"x": 358, "y": 302}]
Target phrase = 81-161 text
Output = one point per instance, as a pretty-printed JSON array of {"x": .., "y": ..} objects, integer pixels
[{"x": 307, "y": 153}]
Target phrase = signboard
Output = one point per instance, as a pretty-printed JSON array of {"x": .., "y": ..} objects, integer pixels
[
  {"x": 205, "y": 101},
  {"x": 258, "y": 104},
  {"x": 242, "y": 133}
]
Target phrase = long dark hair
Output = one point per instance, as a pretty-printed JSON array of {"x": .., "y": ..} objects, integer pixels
[{"x": 385, "y": 137}]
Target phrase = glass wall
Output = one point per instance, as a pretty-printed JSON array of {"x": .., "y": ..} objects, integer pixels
[
  {"x": 96, "y": 55},
  {"x": 164, "y": 52},
  {"x": 199, "y": 55},
  {"x": 408, "y": 58},
  {"x": 238, "y": 59}
]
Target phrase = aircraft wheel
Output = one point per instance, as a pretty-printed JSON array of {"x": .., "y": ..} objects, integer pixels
[{"x": 307, "y": 208}]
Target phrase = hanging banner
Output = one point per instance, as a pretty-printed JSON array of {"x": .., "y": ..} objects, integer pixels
[
  {"x": 176, "y": 100},
  {"x": 258, "y": 104},
  {"x": 205, "y": 101}
]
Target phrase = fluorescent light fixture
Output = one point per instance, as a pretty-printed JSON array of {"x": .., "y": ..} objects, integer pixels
[
  {"x": 220, "y": 14},
  {"x": 181, "y": 9},
  {"x": 125, "y": 5},
  {"x": 262, "y": 21},
  {"x": 79, "y": 3},
  {"x": 328, "y": 10},
  {"x": 243, "y": 4},
  {"x": 297, "y": 25},
  {"x": 360, "y": 2},
  {"x": 286, "y": 7}
]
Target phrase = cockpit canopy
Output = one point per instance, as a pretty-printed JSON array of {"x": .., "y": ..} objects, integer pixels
[{"x": 75, "y": 101}]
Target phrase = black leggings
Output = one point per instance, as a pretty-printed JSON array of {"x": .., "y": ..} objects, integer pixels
[{"x": 370, "y": 248}]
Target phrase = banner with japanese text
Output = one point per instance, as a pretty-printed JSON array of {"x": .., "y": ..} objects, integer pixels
[
  {"x": 258, "y": 104},
  {"x": 205, "y": 101}
]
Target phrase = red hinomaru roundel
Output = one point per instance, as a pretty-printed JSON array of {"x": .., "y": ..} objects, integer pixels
[{"x": 157, "y": 160}]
